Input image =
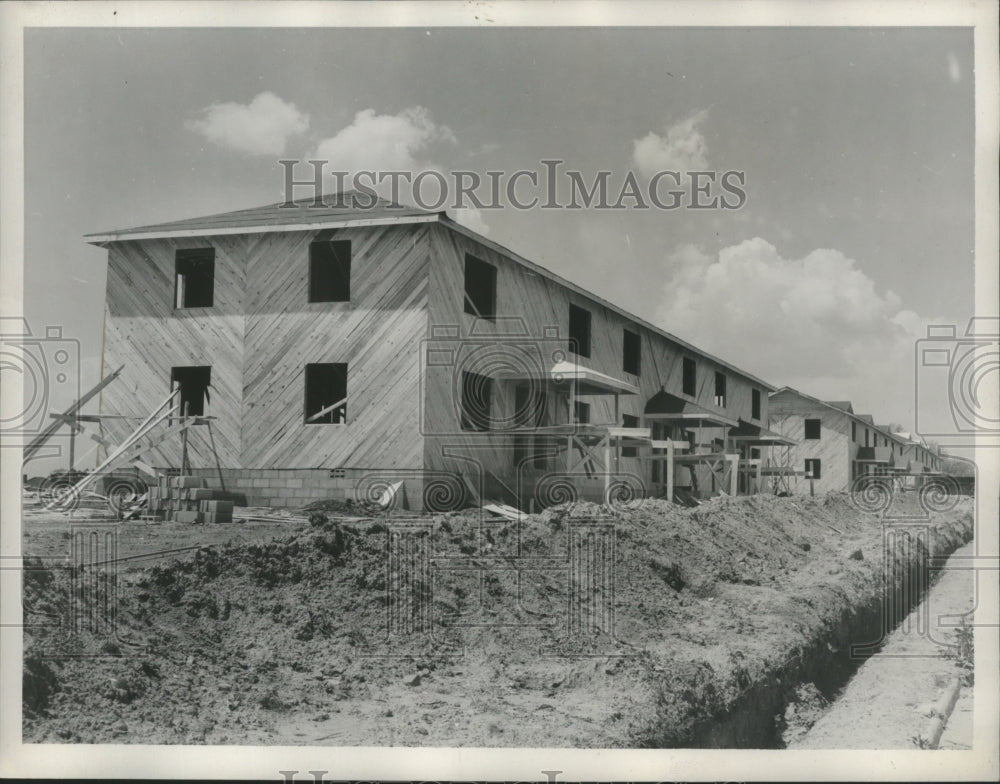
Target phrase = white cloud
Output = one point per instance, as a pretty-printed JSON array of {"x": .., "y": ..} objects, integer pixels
[
  {"x": 261, "y": 127},
  {"x": 471, "y": 218},
  {"x": 816, "y": 323},
  {"x": 384, "y": 142},
  {"x": 681, "y": 148}
]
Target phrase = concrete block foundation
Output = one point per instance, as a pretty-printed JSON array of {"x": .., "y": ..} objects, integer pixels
[{"x": 293, "y": 488}]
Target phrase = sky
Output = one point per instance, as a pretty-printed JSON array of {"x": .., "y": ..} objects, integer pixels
[{"x": 856, "y": 148}]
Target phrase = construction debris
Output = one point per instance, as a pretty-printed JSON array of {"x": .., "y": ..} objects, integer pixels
[
  {"x": 503, "y": 510},
  {"x": 188, "y": 499}
]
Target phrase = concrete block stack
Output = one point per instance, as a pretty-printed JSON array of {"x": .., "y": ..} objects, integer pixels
[{"x": 188, "y": 499}]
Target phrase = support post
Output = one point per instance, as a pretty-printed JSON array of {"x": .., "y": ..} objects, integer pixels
[
  {"x": 218, "y": 465},
  {"x": 670, "y": 469},
  {"x": 42, "y": 438},
  {"x": 607, "y": 466},
  {"x": 572, "y": 421},
  {"x": 184, "y": 442},
  {"x": 72, "y": 443},
  {"x": 734, "y": 474},
  {"x": 148, "y": 424}
]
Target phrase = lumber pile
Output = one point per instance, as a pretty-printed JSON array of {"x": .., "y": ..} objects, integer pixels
[{"x": 188, "y": 499}]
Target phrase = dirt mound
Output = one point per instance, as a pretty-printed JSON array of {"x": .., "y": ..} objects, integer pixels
[{"x": 581, "y": 626}]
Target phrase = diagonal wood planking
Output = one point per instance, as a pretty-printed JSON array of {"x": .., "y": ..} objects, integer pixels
[
  {"x": 542, "y": 302},
  {"x": 377, "y": 334},
  {"x": 260, "y": 334},
  {"x": 834, "y": 448},
  {"x": 145, "y": 334}
]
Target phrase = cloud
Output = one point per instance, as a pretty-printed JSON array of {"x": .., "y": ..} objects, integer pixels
[
  {"x": 682, "y": 148},
  {"x": 261, "y": 127},
  {"x": 817, "y": 323},
  {"x": 471, "y": 218},
  {"x": 385, "y": 142}
]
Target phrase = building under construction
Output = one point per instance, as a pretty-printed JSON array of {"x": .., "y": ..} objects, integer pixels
[{"x": 346, "y": 350}]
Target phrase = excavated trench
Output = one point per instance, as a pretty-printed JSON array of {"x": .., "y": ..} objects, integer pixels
[
  {"x": 758, "y": 567},
  {"x": 754, "y": 720}
]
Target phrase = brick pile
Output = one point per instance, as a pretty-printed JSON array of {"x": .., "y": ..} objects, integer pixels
[{"x": 188, "y": 499}]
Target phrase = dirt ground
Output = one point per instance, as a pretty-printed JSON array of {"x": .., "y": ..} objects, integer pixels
[
  {"x": 890, "y": 701},
  {"x": 582, "y": 626}
]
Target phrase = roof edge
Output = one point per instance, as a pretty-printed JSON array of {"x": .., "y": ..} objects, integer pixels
[
  {"x": 545, "y": 272},
  {"x": 856, "y": 417},
  {"x": 127, "y": 234}
]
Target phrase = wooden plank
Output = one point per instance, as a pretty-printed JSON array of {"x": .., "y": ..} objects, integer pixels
[
  {"x": 31, "y": 449},
  {"x": 389, "y": 495},
  {"x": 154, "y": 419},
  {"x": 324, "y": 411},
  {"x": 503, "y": 510},
  {"x": 145, "y": 468}
]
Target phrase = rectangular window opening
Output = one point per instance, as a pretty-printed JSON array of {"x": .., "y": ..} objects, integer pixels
[
  {"x": 720, "y": 390},
  {"x": 193, "y": 382},
  {"x": 194, "y": 278},
  {"x": 480, "y": 288},
  {"x": 579, "y": 331},
  {"x": 529, "y": 405},
  {"x": 854, "y": 431},
  {"x": 581, "y": 412},
  {"x": 477, "y": 402},
  {"x": 630, "y": 421},
  {"x": 689, "y": 382},
  {"x": 330, "y": 271},
  {"x": 812, "y": 429},
  {"x": 755, "y": 404},
  {"x": 631, "y": 352},
  {"x": 326, "y": 394},
  {"x": 813, "y": 469}
]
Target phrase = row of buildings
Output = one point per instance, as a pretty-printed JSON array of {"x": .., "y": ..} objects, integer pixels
[
  {"x": 834, "y": 446},
  {"x": 343, "y": 348}
]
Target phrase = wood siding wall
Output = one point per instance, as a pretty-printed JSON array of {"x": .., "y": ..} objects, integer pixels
[
  {"x": 260, "y": 334},
  {"x": 834, "y": 447},
  {"x": 143, "y": 332},
  {"x": 543, "y": 306},
  {"x": 377, "y": 334}
]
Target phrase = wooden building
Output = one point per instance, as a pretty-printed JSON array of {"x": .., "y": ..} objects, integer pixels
[
  {"x": 346, "y": 347},
  {"x": 918, "y": 457},
  {"x": 835, "y": 446}
]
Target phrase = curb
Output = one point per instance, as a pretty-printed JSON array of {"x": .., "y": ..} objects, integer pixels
[{"x": 942, "y": 711}]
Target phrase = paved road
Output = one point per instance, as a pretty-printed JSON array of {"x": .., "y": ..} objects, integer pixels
[{"x": 888, "y": 703}]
